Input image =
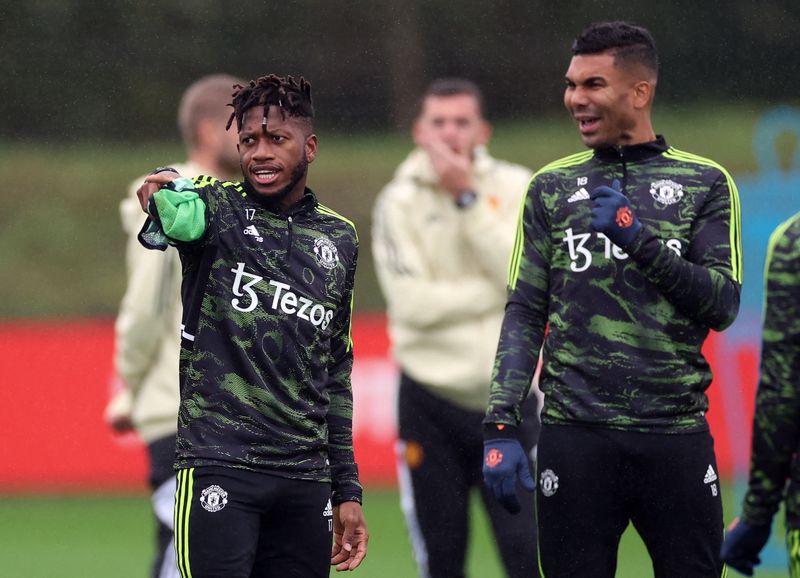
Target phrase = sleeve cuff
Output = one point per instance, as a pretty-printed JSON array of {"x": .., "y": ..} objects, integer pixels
[{"x": 493, "y": 431}]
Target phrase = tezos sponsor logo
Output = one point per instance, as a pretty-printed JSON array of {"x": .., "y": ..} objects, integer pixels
[
  {"x": 548, "y": 482},
  {"x": 326, "y": 253},
  {"x": 213, "y": 498},
  {"x": 285, "y": 299},
  {"x": 666, "y": 192}
]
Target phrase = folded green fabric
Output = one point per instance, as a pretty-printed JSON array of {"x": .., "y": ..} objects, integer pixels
[{"x": 181, "y": 211}]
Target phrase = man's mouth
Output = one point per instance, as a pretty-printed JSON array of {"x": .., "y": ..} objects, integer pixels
[
  {"x": 265, "y": 176},
  {"x": 588, "y": 124}
]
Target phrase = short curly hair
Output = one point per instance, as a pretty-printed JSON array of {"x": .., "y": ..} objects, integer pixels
[{"x": 292, "y": 97}]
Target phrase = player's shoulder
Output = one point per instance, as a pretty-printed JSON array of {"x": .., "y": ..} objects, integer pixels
[
  {"x": 336, "y": 221},
  {"x": 787, "y": 233},
  {"x": 565, "y": 165},
  {"x": 696, "y": 163}
]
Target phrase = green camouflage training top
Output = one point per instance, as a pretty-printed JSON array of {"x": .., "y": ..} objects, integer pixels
[
  {"x": 621, "y": 333},
  {"x": 776, "y": 425},
  {"x": 266, "y": 352}
]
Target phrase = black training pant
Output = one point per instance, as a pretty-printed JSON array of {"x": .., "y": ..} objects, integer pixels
[
  {"x": 234, "y": 523},
  {"x": 593, "y": 481}
]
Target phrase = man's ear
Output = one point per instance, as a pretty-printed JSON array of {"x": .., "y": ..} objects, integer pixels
[
  {"x": 643, "y": 94},
  {"x": 311, "y": 147}
]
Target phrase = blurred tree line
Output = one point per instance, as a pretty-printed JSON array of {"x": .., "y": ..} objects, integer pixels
[{"x": 85, "y": 70}]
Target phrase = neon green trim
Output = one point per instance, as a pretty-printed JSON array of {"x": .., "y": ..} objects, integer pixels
[
  {"x": 793, "y": 548},
  {"x": 350, "y": 328},
  {"x": 736, "y": 210},
  {"x": 516, "y": 254},
  {"x": 328, "y": 211},
  {"x": 188, "y": 506}
]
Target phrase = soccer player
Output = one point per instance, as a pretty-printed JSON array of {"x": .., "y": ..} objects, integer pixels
[
  {"x": 147, "y": 330},
  {"x": 626, "y": 255},
  {"x": 443, "y": 233},
  {"x": 776, "y": 424},
  {"x": 265, "y": 457}
]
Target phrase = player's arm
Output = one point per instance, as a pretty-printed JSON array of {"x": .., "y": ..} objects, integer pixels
[
  {"x": 344, "y": 471},
  {"x": 349, "y": 530},
  {"x": 525, "y": 316},
  {"x": 776, "y": 423},
  {"x": 704, "y": 282},
  {"x": 415, "y": 294},
  {"x": 488, "y": 225},
  {"x": 521, "y": 338}
]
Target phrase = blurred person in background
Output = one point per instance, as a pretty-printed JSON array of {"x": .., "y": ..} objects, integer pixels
[
  {"x": 267, "y": 483},
  {"x": 148, "y": 326},
  {"x": 774, "y": 469},
  {"x": 627, "y": 255},
  {"x": 443, "y": 230}
]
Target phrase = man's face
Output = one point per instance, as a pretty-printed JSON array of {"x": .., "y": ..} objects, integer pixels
[
  {"x": 600, "y": 97},
  {"x": 274, "y": 156},
  {"x": 454, "y": 120}
]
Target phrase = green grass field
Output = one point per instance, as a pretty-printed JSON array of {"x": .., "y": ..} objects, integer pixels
[{"x": 110, "y": 535}]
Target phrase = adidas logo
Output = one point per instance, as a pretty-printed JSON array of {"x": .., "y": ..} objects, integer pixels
[
  {"x": 328, "y": 511},
  {"x": 580, "y": 195},
  {"x": 711, "y": 476},
  {"x": 253, "y": 232}
]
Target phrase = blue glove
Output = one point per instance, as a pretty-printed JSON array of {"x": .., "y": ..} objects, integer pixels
[
  {"x": 742, "y": 546},
  {"x": 613, "y": 216},
  {"x": 503, "y": 462}
]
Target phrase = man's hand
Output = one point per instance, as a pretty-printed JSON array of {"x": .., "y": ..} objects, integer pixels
[
  {"x": 504, "y": 461},
  {"x": 613, "y": 216},
  {"x": 151, "y": 185},
  {"x": 453, "y": 169},
  {"x": 743, "y": 543},
  {"x": 350, "y": 536}
]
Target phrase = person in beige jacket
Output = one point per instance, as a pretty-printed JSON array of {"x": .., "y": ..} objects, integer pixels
[
  {"x": 443, "y": 231},
  {"x": 147, "y": 329}
]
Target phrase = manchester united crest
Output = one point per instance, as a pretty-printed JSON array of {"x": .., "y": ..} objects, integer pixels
[
  {"x": 214, "y": 498},
  {"x": 326, "y": 253},
  {"x": 666, "y": 192}
]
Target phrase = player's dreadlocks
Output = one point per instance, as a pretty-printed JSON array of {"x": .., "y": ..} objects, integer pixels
[{"x": 291, "y": 96}]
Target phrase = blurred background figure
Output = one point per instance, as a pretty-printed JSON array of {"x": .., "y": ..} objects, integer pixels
[
  {"x": 443, "y": 231},
  {"x": 776, "y": 425},
  {"x": 148, "y": 325}
]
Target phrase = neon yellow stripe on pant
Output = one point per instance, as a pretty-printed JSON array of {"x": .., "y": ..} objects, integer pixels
[
  {"x": 183, "y": 506},
  {"x": 793, "y": 546}
]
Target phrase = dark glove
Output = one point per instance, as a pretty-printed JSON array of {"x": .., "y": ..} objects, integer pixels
[
  {"x": 742, "y": 546},
  {"x": 504, "y": 461},
  {"x": 613, "y": 216}
]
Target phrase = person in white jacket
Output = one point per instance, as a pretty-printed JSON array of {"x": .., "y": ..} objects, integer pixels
[
  {"x": 443, "y": 231},
  {"x": 147, "y": 329}
]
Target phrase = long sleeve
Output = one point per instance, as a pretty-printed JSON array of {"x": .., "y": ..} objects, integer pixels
[
  {"x": 704, "y": 284},
  {"x": 344, "y": 471},
  {"x": 776, "y": 424},
  {"x": 526, "y": 313}
]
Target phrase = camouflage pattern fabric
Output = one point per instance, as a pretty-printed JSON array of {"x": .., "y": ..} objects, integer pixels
[
  {"x": 621, "y": 333},
  {"x": 776, "y": 424},
  {"x": 266, "y": 351}
]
